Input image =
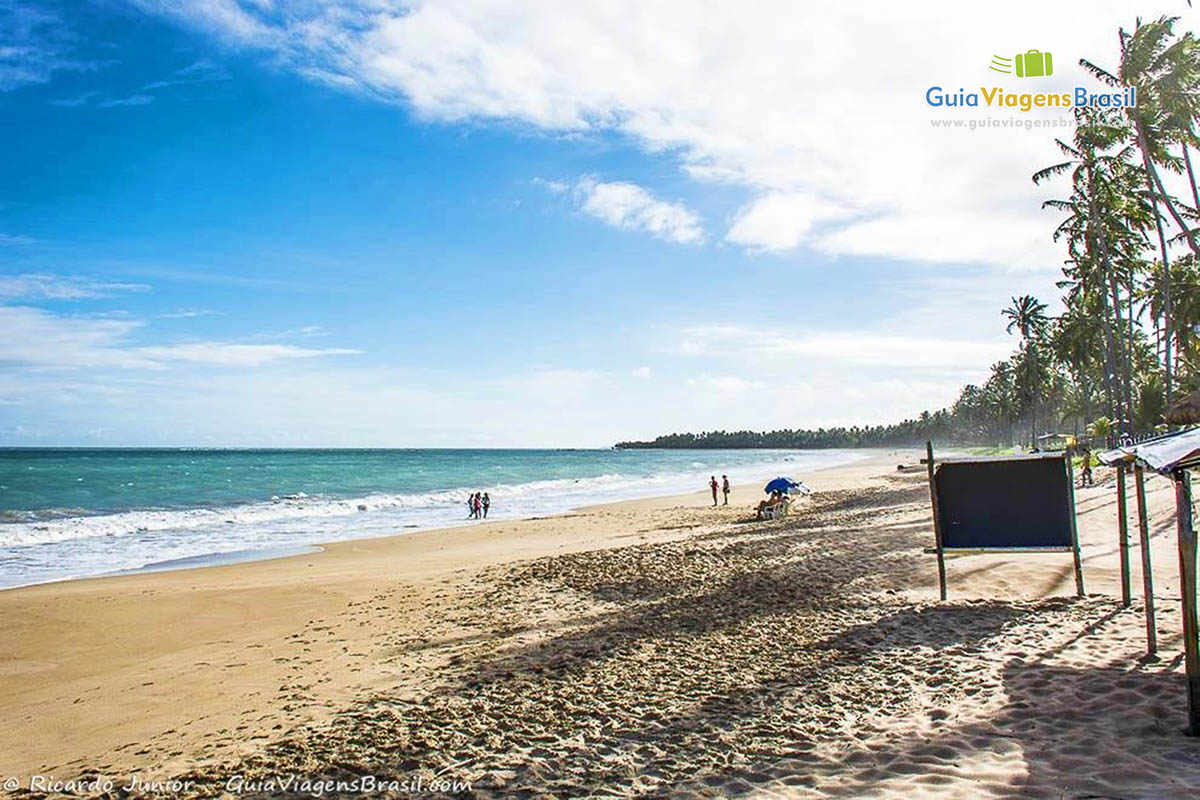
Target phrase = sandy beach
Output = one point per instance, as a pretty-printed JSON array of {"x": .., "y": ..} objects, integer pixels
[{"x": 643, "y": 648}]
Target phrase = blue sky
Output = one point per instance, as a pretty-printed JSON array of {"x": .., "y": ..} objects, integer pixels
[{"x": 470, "y": 224}]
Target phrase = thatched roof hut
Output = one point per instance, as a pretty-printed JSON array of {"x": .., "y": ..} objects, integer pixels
[{"x": 1186, "y": 411}]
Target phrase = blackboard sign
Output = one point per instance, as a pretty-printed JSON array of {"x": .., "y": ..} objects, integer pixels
[{"x": 1001, "y": 504}]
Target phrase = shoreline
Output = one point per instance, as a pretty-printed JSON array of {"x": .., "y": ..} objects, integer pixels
[
  {"x": 660, "y": 617},
  {"x": 251, "y": 555},
  {"x": 174, "y": 628}
]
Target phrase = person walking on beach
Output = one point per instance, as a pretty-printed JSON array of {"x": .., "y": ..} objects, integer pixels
[
  {"x": 712, "y": 484},
  {"x": 1085, "y": 470},
  {"x": 470, "y": 506},
  {"x": 487, "y": 503},
  {"x": 477, "y": 506},
  {"x": 725, "y": 487}
]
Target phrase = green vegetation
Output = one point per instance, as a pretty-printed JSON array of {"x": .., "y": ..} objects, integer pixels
[
  {"x": 990, "y": 451},
  {"x": 935, "y": 426},
  {"x": 1128, "y": 340}
]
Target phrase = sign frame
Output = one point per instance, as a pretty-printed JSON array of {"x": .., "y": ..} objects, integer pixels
[{"x": 939, "y": 545}]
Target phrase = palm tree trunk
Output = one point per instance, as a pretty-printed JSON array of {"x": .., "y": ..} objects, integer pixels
[
  {"x": 1187, "y": 161},
  {"x": 1153, "y": 181},
  {"x": 1087, "y": 401},
  {"x": 1110, "y": 369},
  {"x": 1166, "y": 302},
  {"x": 1032, "y": 365},
  {"x": 1129, "y": 340},
  {"x": 1121, "y": 358},
  {"x": 1156, "y": 192},
  {"x": 1120, "y": 350}
]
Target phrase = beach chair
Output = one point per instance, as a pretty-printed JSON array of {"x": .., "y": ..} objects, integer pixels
[{"x": 778, "y": 510}]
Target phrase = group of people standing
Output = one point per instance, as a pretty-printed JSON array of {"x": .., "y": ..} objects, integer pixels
[
  {"x": 723, "y": 486},
  {"x": 478, "y": 505}
]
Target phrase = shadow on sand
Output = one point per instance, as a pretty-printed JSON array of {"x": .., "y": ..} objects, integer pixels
[{"x": 766, "y": 658}]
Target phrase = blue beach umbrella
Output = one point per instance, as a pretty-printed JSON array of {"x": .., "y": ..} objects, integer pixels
[{"x": 784, "y": 485}]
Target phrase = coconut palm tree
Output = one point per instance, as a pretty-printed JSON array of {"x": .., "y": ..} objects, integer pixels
[
  {"x": 1027, "y": 315},
  {"x": 1185, "y": 281},
  {"x": 1076, "y": 343},
  {"x": 1165, "y": 72},
  {"x": 1106, "y": 216}
]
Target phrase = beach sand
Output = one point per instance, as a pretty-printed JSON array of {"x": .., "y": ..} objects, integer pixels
[{"x": 651, "y": 647}]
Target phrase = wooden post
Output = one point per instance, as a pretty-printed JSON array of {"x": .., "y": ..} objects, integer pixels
[
  {"x": 1123, "y": 529},
  {"x": 937, "y": 522},
  {"x": 1074, "y": 527},
  {"x": 1139, "y": 481},
  {"x": 1187, "y": 588}
]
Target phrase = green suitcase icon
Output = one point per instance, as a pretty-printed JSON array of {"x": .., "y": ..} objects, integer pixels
[{"x": 1034, "y": 64}]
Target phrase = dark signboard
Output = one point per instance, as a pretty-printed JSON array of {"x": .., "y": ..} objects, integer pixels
[{"x": 1002, "y": 504}]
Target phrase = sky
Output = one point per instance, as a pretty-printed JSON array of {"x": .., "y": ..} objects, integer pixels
[{"x": 475, "y": 223}]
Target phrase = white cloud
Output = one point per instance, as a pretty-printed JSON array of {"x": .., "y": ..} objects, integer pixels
[
  {"x": 325, "y": 404},
  {"x": 303, "y": 332},
  {"x": 227, "y": 354},
  {"x": 767, "y": 348},
  {"x": 630, "y": 207},
  {"x": 557, "y": 385},
  {"x": 643, "y": 373},
  {"x": 42, "y": 286},
  {"x": 780, "y": 221},
  {"x": 201, "y": 71},
  {"x": 225, "y": 17},
  {"x": 725, "y": 383},
  {"x": 780, "y": 99},
  {"x": 132, "y": 100},
  {"x": 554, "y": 187},
  {"x": 936, "y": 236},
  {"x": 38, "y": 338},
  {"x": 34, "y": 44}
]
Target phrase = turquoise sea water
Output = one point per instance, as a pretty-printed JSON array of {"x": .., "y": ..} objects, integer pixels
[{"x": 76, "y": 512}]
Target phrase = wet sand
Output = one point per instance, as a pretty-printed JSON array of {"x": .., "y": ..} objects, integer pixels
[{"x": 652, "y": 647}]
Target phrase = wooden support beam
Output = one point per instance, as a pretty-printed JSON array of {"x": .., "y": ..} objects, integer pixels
[
  {"x": 959, "y": 551},
  {"x": 1074, "y": 527},
  {"x": 1187, "y": 588},
  {"x": 1139, "y": 481},
  {"x": 1123, "y": 531},
  {"x": 937, "y": 522}
]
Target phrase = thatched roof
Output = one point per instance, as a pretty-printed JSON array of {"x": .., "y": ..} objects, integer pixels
[{"x": 1186, "y": 411}]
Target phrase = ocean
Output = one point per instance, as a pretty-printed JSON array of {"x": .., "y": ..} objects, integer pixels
[{"x": 69, "y": 513}]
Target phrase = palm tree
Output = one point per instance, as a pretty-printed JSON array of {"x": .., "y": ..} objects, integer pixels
[
  {"x": 1101, "y": 427},
  {"x": 1165, "y": 71},
  {"x": 999, "y": 400},
  {"x": 1027, "y": 315},
  {"x": 1075, "y": 342},
  {"x": 1185, "y": 281},
  {"x": 1106, "y": 214}
]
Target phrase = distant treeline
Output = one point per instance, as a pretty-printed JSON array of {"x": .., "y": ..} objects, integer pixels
[{"x": 937, "y": 426}]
